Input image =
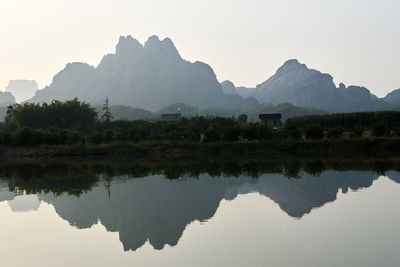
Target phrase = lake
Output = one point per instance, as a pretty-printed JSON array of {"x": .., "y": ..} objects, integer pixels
[{"x": 200, "y": 213}]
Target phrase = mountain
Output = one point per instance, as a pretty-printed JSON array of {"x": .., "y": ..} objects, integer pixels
[
  {"x": 22, "y": 89},
  {"x": 229, "y": 88},
  {"x": 295, "y": 83},
  {"x": 393, "y": 97},
  {"x": 6, "y": 99},
  {"x": 149, "y": 76},
  {"x": 153, "y": 75}
]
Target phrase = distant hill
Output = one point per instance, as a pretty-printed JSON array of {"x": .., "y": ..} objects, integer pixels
[
  {"x": 6, "y": 99},
  {"x": 295, "y": 83},
  {"x": 22, "y": 89},
  {"x": 190, "y": 111},
  {"x": 3, "y": 113},
  {"x": 127, "y": 113},
  {"x": 185, "y": 110},
  {"x": 229, "y": 88},
  {"x": 149, "y": 76},
  {"x": 287, "y": 110},
  {"x": 393, "y": 97}
]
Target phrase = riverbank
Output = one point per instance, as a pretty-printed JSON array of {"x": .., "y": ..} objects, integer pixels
[{"x": 378, "y": 147}]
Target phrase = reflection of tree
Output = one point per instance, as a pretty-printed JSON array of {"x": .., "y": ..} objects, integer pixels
[
  {"x": 55, "y": 178},
  {"x": 314, "y": 167},
  {"x": 76, "y": 177},
  {"x": 292, "y": 169}
]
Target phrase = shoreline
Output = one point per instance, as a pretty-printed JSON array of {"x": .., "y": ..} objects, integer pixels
[{"x": 378, "y": 147}]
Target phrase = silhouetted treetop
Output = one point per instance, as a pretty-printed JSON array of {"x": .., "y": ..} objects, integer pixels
[{"x": 71, "y": 114}]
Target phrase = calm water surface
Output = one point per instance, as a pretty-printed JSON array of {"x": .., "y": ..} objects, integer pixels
[{"x": 49, "y": 217}]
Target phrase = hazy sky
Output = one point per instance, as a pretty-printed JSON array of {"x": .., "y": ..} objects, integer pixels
[{"x": 356, "y": 41}]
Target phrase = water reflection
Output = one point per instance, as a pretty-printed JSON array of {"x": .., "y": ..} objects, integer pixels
[{"x": 155, "y": 209}]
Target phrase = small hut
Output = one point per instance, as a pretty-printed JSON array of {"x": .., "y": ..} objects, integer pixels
[
  {"x": 171, "y": 117},
  {"x": 273, "y": 121}
]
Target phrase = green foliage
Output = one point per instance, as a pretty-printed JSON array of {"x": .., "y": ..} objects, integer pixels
[
  {"x": 33, "y": 137},
  {"x": 231, "y": 133},
  {"x": 314, "y": 132},
  {"x": 356, "y": 132},
  {"x": 71, "y": 114},
  {"x": 349, "y": 121},
  {"x": 335, "y": 132},
  {"x": 250, "y": 131},
  {"x": 96, "y": 138},
  {"x": 212, "y": 134},
  {"x": 265, "y": 133},
  {"x": 378, "y": 129},
  {"x": 291, "y": 132},
  {"x": 25, "y": 128}
]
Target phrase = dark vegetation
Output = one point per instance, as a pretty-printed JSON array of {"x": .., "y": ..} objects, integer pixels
[
  {"x": 380, "y": 123},
  {"x": 78, "y": 176},
  {"x": 76, "y": 126}
]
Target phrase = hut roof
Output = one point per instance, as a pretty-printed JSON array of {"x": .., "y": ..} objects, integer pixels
[{"x": 276, "y": 116}]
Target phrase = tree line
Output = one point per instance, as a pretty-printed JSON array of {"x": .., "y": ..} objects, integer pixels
[{"x": 73, "y": 122}]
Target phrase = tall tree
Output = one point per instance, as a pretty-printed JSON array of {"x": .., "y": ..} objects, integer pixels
[{"x": 107, "y": 113}]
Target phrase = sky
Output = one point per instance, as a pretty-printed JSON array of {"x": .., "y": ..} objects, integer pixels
[{"x": 356, "y": 41}]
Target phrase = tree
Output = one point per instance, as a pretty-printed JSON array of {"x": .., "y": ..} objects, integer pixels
[
  {"x": 242, "y": 119},
  {"x": 378, "y": 129},
  {"x": 314, "y": 132},
  {"x": 292, "y": 132},
  {"x": 71, "y": 114},
  {"x": 107, "y": 113}
]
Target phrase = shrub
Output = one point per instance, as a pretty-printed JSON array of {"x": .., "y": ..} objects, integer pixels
[
  {"x": 291, "y": 132},
  {"x": 335, "y": 132},
  {"x": 231, "y": 133},
  {"x": 378, "y": 129},
  {"x": 314, "y": 132},
  {"x": 96, "y": 138}
]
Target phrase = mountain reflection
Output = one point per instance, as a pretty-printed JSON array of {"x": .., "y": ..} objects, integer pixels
[{"x": 157, "y": 209}]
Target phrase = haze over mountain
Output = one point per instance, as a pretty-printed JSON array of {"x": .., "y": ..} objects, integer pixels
[
  {"x": 6, "y": 99},
  {"x": 393, "y": 97},
  {"x": 229, "y": 88},
  {"x": 148, "y": 76},
  {"x": 22, "y": 89},
  {"x": 154, "y": 75},
  {"x": 295, "y": 83}
]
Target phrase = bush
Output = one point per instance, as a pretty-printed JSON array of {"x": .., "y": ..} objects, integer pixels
[
  {"x": 291, "y": 132},
  {"x": 250, "y": 131},
  {"x": 96, "y": 138},
  {"x": 24, "y": 137},
  {"x": 109, "y": 136},
  {"x": 265, "y": 133},
  {"x": 231, "y": 133},
  {"x": 212, "y": 134},
  {"x": 378, "y": 129},
  {"x": 335, "y": 132},
  {"x": 314, "y": 132}
]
